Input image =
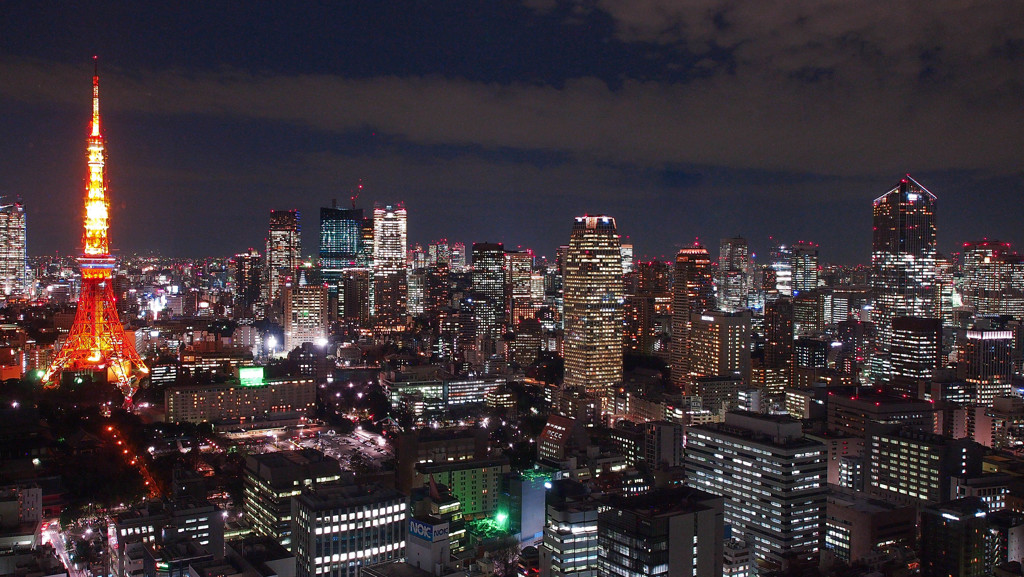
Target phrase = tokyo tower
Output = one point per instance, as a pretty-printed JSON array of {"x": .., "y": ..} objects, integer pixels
[{"x": 97, "y": 339}]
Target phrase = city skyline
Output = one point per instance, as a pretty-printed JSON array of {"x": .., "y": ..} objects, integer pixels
[{"x": 675, "y": 135}]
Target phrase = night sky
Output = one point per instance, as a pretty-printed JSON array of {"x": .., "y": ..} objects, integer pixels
[{"x": 500, "y": 121}]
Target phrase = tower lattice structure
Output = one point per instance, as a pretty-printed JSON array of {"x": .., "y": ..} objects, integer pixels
[{"x": 97, "y": 340}]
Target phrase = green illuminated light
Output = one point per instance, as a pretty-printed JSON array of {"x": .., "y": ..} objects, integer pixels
[{"x": 251, "y": 376}]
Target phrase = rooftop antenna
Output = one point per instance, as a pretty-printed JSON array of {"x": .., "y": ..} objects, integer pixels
[{"x": 359, "y": 188}]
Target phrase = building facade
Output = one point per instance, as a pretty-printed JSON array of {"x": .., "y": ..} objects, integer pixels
[
  {"x": 337, "y": 529},
  {"x": 772, "y": 479},
  {"x": 903, "y": 258},
  {"x": 593, "y": 307},
  {"x": 13, "y": 254},
  {"x": 388, "y": 297}
]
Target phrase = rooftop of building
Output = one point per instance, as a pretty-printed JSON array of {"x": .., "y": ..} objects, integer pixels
[
  {"x": 259, "y": 549},
  {"x": 394, "y": 569},
  {"x": 291, "y": 459},
  {"x": 862, "y": 503},
  {"x": 428, "y": 468},
  {"x": 869, "y": 397},
  {"x": 664, "y": 502},
  {"x": 961, "y": 508},
  {"x": 335, "y": 495},
  {"x": 776, "y": 430}
]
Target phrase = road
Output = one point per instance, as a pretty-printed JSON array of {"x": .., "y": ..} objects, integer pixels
[{"x": 62, "y": 554}]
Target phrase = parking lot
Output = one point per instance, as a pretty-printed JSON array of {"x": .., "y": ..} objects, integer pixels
[{"x": 359, "y": 451}]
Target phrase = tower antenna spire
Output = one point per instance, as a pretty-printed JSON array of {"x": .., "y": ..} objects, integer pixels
[{"x": 95, "y": 96}]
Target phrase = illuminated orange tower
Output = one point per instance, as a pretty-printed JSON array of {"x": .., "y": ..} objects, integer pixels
[{"x": 97, "y": 339}]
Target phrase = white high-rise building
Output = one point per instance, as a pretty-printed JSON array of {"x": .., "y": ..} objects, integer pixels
[
  {"x": 13, "y": 255},
  {"x": 773, "y": 480},
  {"x": 284, "y": 250},
  {"x": 593, "y": 307},
  {"x": 733, "y": 279},
  {"x": 305, "y": 314},
  {"x": 388, "y": 299}
]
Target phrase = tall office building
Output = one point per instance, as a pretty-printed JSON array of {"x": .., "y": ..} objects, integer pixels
[
  {"x": 915, "y": 352},
  {"x": 519, "y": 295},
  {"x": 341, "y": 239},
  {"x": 781, "y": 267},
  {"x": 489, "y": 288},
  {"x": 458, "y": 262},
  {"x": 903, "y": 255},
  {"x": 284, "y": 251},
  {"x": 389, "y": 268},
  {"x": 338, "y": 529},
  {"x": 773, "y": 480},
  {"x": 719, "y": 344},
  {"x": 804, "y": 267},
  {"x": 985, "y": 361},
  {"x": 439, "y": 253},
  {"x": 626, "y": 250},
  {"x": 779, "y": 333},
  {"x": 593, "y": 307},
  {"x": 993, "y": 278},
  {"x": 13, "y": 256},
  {"x": 675, "y": 532},
  {"x": 341, "y": 249},
  {"x": 692, "y": 292},
  {"x": 247, "y": 268},
  {"x": 305, "y": 313},
  {"x": 733, "y": 274}
]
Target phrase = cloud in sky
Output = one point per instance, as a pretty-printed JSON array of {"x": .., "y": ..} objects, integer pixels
[
  {"x": 815, "y": 105},
  {"x": 833, "y": 87}
]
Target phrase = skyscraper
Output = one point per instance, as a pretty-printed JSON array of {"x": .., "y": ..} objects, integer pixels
[
  {"x": 903, "y": 257},
  {"x": 97, "y": 340},
  {"x": 984, "y": 360},
  {"x": 692, "y": 292},
  {"x": 993, "y": 278},
  {"x": 284, "y": 251},
  {"x": 389, "y": 268},
  {"x": 804, "y": 267},
  {"x": 518, "y": 294},
  {"x": 593, "y": 306},
  {"x": 915, "y": 351},
  {"x": 489, "y": 292},
  {"x": 13, "y": 272},
  {"x": 781, "y": 267},
  {"x": 719, "y": 344},
  {"x": 247, "y": 268},
  {"x": 733, "y": 274},
  {"x": 341, "y": 239},
  {"x": 458, "y": 258},
  {"x": 305, "y": 312},
  {"x": 341, "y": 249}
]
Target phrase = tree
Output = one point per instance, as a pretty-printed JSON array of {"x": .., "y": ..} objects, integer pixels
[{"x": 506, "y": 557}]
